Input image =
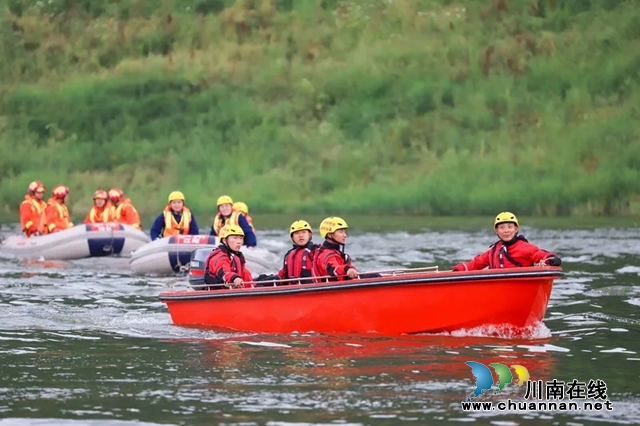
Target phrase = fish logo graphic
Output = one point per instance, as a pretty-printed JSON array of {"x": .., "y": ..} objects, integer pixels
[
  {"x": 484, "y": 378},
  {"x": 504, "y": 375}
]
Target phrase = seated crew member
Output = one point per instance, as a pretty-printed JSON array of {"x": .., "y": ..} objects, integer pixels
[
  {"x": 56, "y": 215},
  {"x": 225, "y": 265},
  {"x": 122, "y": 211},
  {"x": 227, "y": 216},
  {"x": 176, "y": 219},
  {"x": 298, "y": 261},
  {"x": 32, "y": 208},
  {"x": 101, "y": 209},
  {"x": 244, "y": 209},
  {"x": 511, "y": 251}
]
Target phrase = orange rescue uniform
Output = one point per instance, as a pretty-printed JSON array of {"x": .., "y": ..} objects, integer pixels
[
  {"x": 125, "y": 213},
  {"x": 55, "y": 217},
  {"x": 31, "y": 210}
]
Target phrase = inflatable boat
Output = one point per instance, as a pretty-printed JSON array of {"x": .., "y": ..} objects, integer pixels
[
  {"x": 169, "y": 255},
  {"x": 80, "y": 241}
]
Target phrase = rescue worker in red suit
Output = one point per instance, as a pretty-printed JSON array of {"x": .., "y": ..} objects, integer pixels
[
  {"x": 176, "y": 219},
  {"x": 56, "y": 215},
  {"x": 100, "y": 211},
  {"x": 32, "y": 208},
  {"x": 330, "y": 258},
  {"x": 511, "y": 251},
  {"x": 298, "y": 261},
  {"x": 225, "y": 265}
]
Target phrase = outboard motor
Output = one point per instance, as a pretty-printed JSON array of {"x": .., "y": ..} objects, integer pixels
[{"x": 197, "y": 265}]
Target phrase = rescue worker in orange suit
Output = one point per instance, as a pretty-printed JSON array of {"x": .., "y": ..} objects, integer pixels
[
  {"x": 298, "y": 261},
  {"x": 511, "y": 251},
  {"x": 122, "y": 211},
  {"x": 225, "y": 265},
  {"x": 56, "y": 215},
  {"x": 176, "y": 219},
  {"x": 100, "y": 212},
  {"x": 227, "y": 216},
  {"x": 32, "y": 208},
  {"x": 241, "y": 207}
]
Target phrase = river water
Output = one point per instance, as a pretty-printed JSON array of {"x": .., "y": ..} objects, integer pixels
[{"x": 87, "y": 342}]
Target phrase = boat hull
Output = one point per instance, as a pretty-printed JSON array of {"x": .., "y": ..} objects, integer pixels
[
  {"x": 80, "y": 241},
  {"x": 417, "y": 303},
  {"x": 170, "y": 255}
]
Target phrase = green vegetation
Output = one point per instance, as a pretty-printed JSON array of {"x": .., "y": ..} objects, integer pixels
[{"x": 414, "y": 106}]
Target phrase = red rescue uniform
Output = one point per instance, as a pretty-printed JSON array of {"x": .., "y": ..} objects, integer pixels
[
  {"x": 223, "y": 266},
  {"x": 298, "y": 263},
  {"x": 513, "y": 254},
  {"x": 330, "y": 260}
]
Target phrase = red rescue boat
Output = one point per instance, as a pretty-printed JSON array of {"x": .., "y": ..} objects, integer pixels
[{"x": 426, "y": 302}]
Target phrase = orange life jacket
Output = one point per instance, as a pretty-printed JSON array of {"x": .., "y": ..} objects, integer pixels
[
  {"x": 31, "y": 210},
  {"x": 55, "y": 217},
  {"x": 219, "y": 221},
  {"x": 125, "y": 213},
  {"x": 171, "y": 227},
  {"x": 97, "y": 215}
]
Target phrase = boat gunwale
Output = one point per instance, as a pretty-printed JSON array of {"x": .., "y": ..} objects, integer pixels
[{"x": 431, "y": 278}]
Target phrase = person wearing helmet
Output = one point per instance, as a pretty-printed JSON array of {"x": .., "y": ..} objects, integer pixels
[
  {"x": 330, "y": 258},
  {"x": 511, "y": 251},
  {"x": 32, "y": 208},
  {"x": 241, "y": 207},
  {"x": 56, "y": 215},
  {"x": 225, "y": 265},
  {"x": 228, "y": 216},
  {"x": 298, "y": 261},
  {"x": 99, "y": 213},
  {"x": 176, "y": 219},
  {"x": 122, "y": 211}
]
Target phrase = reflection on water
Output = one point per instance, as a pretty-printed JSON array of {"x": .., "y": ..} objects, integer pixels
[{"x": 87, "y": 342}]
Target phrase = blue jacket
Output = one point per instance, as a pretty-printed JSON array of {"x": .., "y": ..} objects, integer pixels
[
  {"x": 158, "y": 226},
  {"x": 250, "y": 239}
]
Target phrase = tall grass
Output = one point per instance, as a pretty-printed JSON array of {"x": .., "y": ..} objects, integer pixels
[{"x": 408, "y": 106}]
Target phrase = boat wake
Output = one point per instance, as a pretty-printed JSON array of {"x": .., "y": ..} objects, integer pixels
[{"x": 505, "y": 331}]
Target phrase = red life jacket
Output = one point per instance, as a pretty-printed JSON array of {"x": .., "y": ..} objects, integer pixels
[
  {"x": 223, "y": 266},
  {"x": 330, "y": 260},
  {"x": 298, "y": 263}
]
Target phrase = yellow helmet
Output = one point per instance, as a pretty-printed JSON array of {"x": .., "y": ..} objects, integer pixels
[
  {"x": 505, "y": 217},
  {"x": 229, "y": 230},
  {"x": 175, "y": 195},
  {"x": 241, "y": 207},
  {"x": 224, "y": 199},
  {"x": 300, "y": 225},
  {"x": 332, "y": 224}
]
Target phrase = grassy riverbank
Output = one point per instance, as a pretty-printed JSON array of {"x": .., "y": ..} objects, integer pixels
[{"x": 326, "y": 106}]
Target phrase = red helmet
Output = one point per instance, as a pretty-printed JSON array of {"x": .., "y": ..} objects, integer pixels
[
  {"x": 36, "y": 186},
  {"x": 115, "y": 194},
  {"x": 60, "y": 191},
  {"x": 100, "y": 193}
]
